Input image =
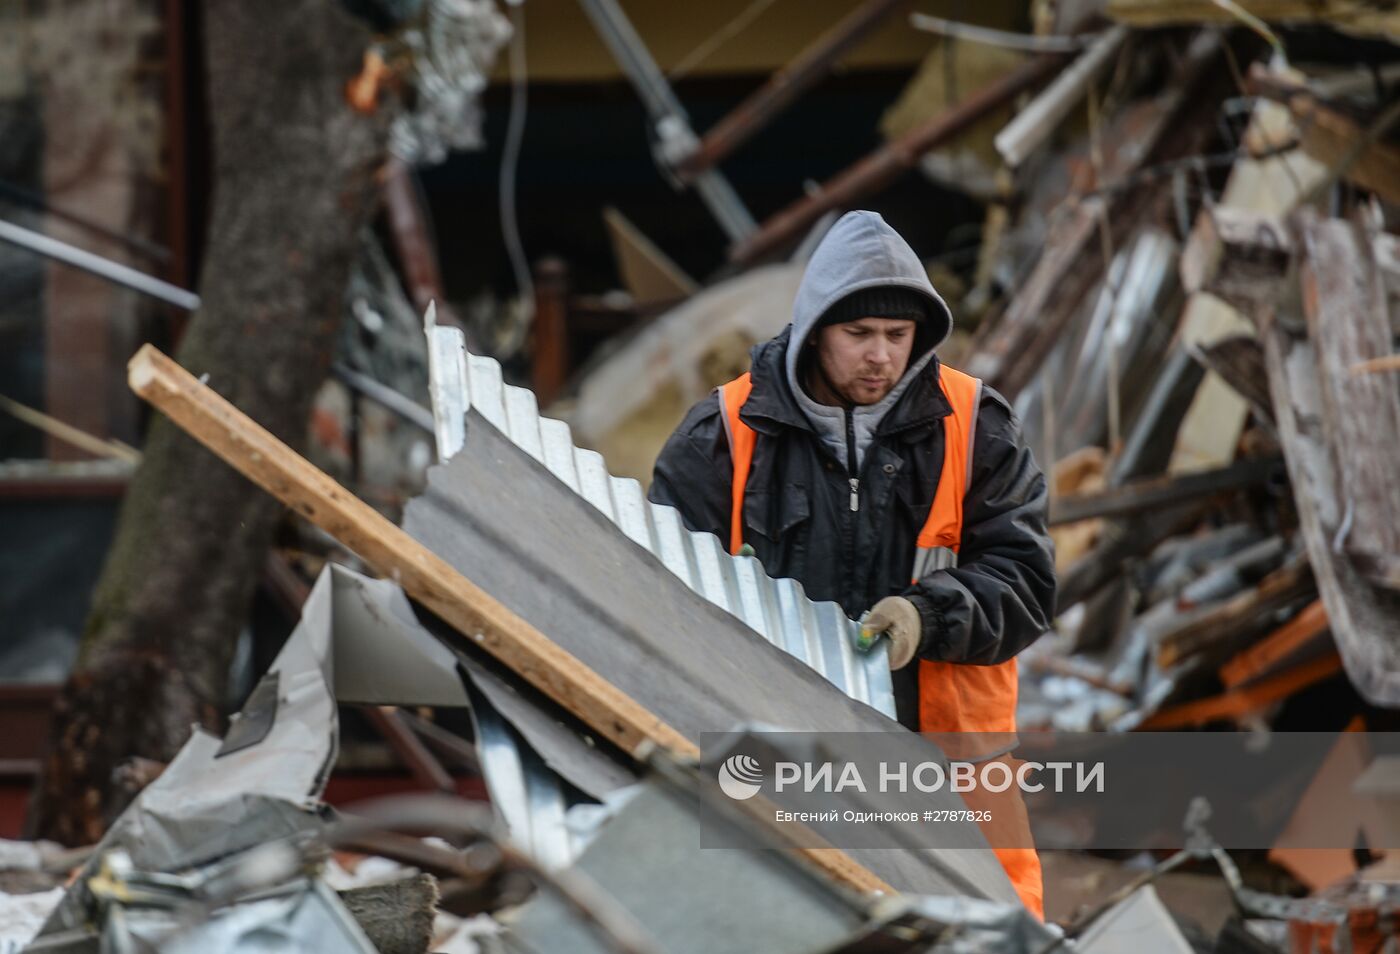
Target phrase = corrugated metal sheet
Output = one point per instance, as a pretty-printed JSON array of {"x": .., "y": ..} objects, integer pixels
[
  {"x": 527, "y": 794},
  {"x": 819, "y": 634}
]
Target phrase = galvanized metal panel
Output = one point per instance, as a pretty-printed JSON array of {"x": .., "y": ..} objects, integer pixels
[
  {"x": 527, "y": 794},
  {"x": 819, "y": 634}
]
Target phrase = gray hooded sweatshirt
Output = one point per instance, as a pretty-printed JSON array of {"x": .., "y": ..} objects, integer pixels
[{"x": 860, "y": 251}]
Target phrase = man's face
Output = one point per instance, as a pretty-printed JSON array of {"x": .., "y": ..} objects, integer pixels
[{"x": 864, "y": 359}]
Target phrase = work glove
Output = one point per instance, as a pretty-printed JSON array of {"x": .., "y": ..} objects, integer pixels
[{"x": 897, "y": 618}]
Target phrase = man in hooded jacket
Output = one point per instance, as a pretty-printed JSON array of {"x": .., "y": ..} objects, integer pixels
[{"x": 847, "y": 413}]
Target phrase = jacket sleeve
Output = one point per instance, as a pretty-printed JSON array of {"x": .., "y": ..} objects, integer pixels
[
  {"x": 693, "y": 472},
  {"x": 1001, "y": 596}
]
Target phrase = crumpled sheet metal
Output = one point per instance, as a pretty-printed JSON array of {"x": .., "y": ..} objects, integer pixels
[
  {"x": 1139, "y": 923},
  {"x": 690, "y": 901},
  {"x": 974, "y": 926},
  {"x": 203, "y": 807},
  {"x": 357, "y": 641},
  {"x": 309, "y": 919},
  {"x": 819, "y": 634}
]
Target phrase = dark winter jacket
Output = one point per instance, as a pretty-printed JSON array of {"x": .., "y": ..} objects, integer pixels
[{"x": 797, "y": 503}]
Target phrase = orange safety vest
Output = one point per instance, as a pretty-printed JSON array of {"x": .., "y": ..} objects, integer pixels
[{"x": 953, "y": 697}]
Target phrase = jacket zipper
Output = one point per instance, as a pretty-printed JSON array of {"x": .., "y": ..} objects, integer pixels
[{"x": 851, "y": 461}]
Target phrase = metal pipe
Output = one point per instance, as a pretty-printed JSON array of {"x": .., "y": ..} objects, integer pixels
[
  {"x": 888, "y": 162},
  {"x": 674, "y": 137},
  {"x": 380, "y": 393},
  {"x": 784, "y": 86},
  {"x": 22, "y": 196},
  {"x": 1037, "y": 121},
  {"x": 97, "y": 265}
]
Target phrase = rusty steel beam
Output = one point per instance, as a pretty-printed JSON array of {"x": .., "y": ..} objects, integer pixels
[
  {"x": 413, "y": 242},
  {"x": 426, "y": 770},
  {"x": 890, "y": 161},
  {"x": 549, "y": 358},
  {"x": 784, "y": 86},
  {"x": 55, "y": 487}
]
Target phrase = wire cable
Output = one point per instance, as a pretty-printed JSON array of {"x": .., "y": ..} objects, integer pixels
[
  {"x": 510, "y": 161},
  {"x": 717, "y": 39}
]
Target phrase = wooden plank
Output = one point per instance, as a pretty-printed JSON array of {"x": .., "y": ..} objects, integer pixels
[
  {"x": 878, "y": 169},
  {"x": 1238, "y": 255},
  {"x": 1344, "y": 305},
  {"x": 1121, "y": 541},
  {"x": 1271, "y": 184},
  {"x": 1238, "y": 703},
  {"x": 1238, "y": 360},
  {"x": 1154, "y": 492},
  {"x": 1277, "y": 646},
  {"x": 1365, "y": 620},
  {"x": 1330, "y": 137},
  {"x": 279, "y": 470},
  {"x": 286, "y": 475}
]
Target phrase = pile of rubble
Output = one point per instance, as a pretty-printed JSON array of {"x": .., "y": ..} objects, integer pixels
[
  {"x": 1208, "y": 366},
  {"x": 588, "y": 845},
  {"x": 1208, "y": 373}
]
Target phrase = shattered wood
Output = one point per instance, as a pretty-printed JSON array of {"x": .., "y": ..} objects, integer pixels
[
  {"x": 1345, "y": 307},
  {"x": 1009, "y": 349},
  {"x": 1250, "y": 610},
  {"x": 1365, "y": 618}
]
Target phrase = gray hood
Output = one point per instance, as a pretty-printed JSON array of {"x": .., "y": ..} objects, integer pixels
[{"x": 860, "y": 251}]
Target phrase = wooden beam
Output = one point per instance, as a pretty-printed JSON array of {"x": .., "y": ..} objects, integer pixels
[
  {"x": 426, "y": 770},
  {"x": 1011, "y": 346},
  {"x": 549, "y": 332},
  {"x": 1330, "y": 137},
  {"x": 1277, "y": 646},
  {"x": 1238, "y": 255},
  {"x": 784, "y": 87},
  {"x": 889, "y": 162},
  {"x": 1363, "y": 619},
  {"x": 1121, "y": 541},
  {"x": 1238, "y": 360},
  {"x": 1248, "y": 700},
  {"x": 1344, "y": 303},
  {"x": 1155, "y": 492},
  {"x": 425, "y": 576}
]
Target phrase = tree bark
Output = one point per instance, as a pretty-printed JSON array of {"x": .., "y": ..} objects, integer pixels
[{"x": 294, "y": 184}]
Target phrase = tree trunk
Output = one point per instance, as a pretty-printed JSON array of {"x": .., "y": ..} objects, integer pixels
[{"x": 293, "y": 180}]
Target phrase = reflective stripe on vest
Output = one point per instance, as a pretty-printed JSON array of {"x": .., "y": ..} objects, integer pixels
[{"x": 952, "y": 697}]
